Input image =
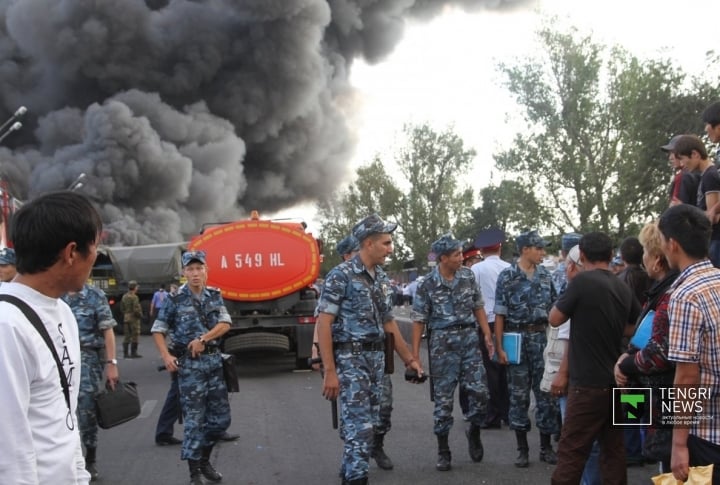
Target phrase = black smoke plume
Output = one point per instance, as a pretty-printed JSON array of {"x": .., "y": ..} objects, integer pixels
[{"x": 183, "y": 112}]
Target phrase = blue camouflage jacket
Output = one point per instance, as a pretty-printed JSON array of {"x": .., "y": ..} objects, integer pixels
[
  {"x": 360, "y": 303},
  {"x": 523, "y": 301},
  {"x": 179, "y": 318},
  {"x": 93, "y": 315},
  {"x": 440, "y": 303}
]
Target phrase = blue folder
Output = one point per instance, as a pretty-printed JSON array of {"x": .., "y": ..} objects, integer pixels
[{"x": 512, "y": 345}]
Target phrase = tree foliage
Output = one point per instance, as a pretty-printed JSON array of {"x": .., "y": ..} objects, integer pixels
[
  {"x": 594, "y": 121},
  {"x": 432, "y": 200}
]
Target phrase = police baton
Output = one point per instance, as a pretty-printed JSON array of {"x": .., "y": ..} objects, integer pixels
[
  {"x": 333, "y": 402},
  {"x": 432, "y": 381}
]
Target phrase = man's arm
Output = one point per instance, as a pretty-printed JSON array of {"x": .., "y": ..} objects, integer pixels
[
  {"x": 331, "y": 383},
  {"x": 401, "y": 347},
  {"x": 499, "y": 330},
  {"x": 167, "y": 357},
  {"x": 712, "y": 198},
  {"x": 111, "y": 370},
  {"x": 481, "y": 317},
  {"x": 417, "y": 331},
  {"x": 686, "y": 374},
  {"x": 556, "y": 317}
]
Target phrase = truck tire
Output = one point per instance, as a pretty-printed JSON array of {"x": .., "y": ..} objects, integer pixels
[{"x": 256, "y": 341}]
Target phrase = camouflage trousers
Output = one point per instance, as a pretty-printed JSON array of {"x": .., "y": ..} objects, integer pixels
[
  {"x": 384, "y": 424},
  {"x": 91, "y": 381},
  {"x": 131, "y": 331},
  {"x": 455, "y": 359},
  {"x": 527, "y": 376},
  {"x": 360, "y": 377},
  {"x": 204, "y": 401}
]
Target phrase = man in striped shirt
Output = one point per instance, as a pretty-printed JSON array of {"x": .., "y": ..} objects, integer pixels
[{"x": 694, "y": 343}]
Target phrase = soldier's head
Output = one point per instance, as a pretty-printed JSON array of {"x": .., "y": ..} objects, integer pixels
[
  {"x": 374, "y": 237},
  {"x": 489, "y": 241},
  {"x": 471, "y": 255},
  {"x": 195, "y": 269},
  {"x": 531, "y": 247},
  {"x": 7, "y": 264},
  {"x": 448, "y": 252},
  {"x": 347, "y": 247},
  {"x": 56, "y": 235},
  {"x": 568, "y": 241},
  {"x": 133, "y": 286}
]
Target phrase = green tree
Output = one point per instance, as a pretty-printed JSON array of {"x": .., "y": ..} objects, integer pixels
[
  {"x": 433, "y": 164},
  {"x": 594, "y": 120},
  {"x": 428, "y": 202},
  {"x": 373, "y": 191}
]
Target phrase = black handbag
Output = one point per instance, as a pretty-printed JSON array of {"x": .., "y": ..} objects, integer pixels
[
  {"x": 118, "y": 406},
  {"x": 230, "y": 373}
]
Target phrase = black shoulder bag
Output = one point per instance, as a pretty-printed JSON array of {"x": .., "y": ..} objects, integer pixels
[{"x": 113, "y": 407}]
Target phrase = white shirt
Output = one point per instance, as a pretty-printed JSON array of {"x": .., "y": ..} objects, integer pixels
[
  {"x": 486, "y": 274},
  {"x": 40, "y": 438}
]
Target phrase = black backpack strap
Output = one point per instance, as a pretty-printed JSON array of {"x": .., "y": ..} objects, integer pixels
[{"x": 35, "y": 320}]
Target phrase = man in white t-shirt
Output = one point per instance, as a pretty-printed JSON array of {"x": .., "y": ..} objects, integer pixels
[{"x": 55, "y": 238}]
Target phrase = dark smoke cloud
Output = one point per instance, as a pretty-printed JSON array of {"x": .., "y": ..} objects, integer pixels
[{"x": 184, "y": 112}]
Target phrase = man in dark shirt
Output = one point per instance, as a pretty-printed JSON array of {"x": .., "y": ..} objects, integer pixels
[
  {"x": 683, "y": 189},
  {"x": 602, "y": 309},
  {"x": 691, "y": 152}
]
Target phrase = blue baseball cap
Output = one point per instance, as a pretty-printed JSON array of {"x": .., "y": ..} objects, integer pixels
[
  {"x": 530, "y": 238},
  {"x": 7, "y": 256},
  {"x": 347, "y": 245},
  {"x": 567, "y": 241},
  {"x": 446, "y": 244},
  {"x": 372, "y": 225},
  {"x": 190, "y": 256}
]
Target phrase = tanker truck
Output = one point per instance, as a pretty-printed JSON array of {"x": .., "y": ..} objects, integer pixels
[{"x": 265, "y": 270}]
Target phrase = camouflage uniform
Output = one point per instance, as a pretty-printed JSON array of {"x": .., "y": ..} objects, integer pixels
[
  {"x": 93, "y": 315},
  {"x": 203, "y": 395},
  {"x": 526, "y": 302},
  {"x": 132, "y": 313},
  {"x": 447, "y": 308},
  {"x": 361, "y": 305}
]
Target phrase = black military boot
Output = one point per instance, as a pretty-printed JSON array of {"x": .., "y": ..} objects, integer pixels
[
  {"x": 357, "y": 481},
  {"x": 378, "y": 453},
  {"x": 135, "y": 355},
  {"x": 444, "y": 456},
  {"x": 206, "y": 467},
  {"x": 475, "y": 446},
  {"x": 546, "y": 452},
  {"x": 522, "y": 461},
  {"x": 195, "y": 472},
  {"x": 125, "y": 351},
  {"x": 90, "y": 464}
]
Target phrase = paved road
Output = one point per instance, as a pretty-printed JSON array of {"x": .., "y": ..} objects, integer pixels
[{"x": 286, "y": 436}]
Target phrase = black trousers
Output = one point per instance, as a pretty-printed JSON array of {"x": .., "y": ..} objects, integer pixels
[
  {"x": 703, "y": 452},
  {"x": 499, "y": 402}
]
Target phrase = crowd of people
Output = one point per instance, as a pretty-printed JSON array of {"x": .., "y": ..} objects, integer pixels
[{"x": 497, "y": 331}]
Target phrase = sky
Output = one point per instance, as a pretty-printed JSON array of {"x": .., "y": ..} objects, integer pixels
[{"x": 444, "y": 71}]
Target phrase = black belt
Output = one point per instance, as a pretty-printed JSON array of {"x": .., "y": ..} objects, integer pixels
[
  {"x": 457, "y": 326},
  {"x": 91, "y": 348},
  {"x": 357, "y": 347},
  {"x": 530, "y": 328},
  {"x": 209, "y": 350}
]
